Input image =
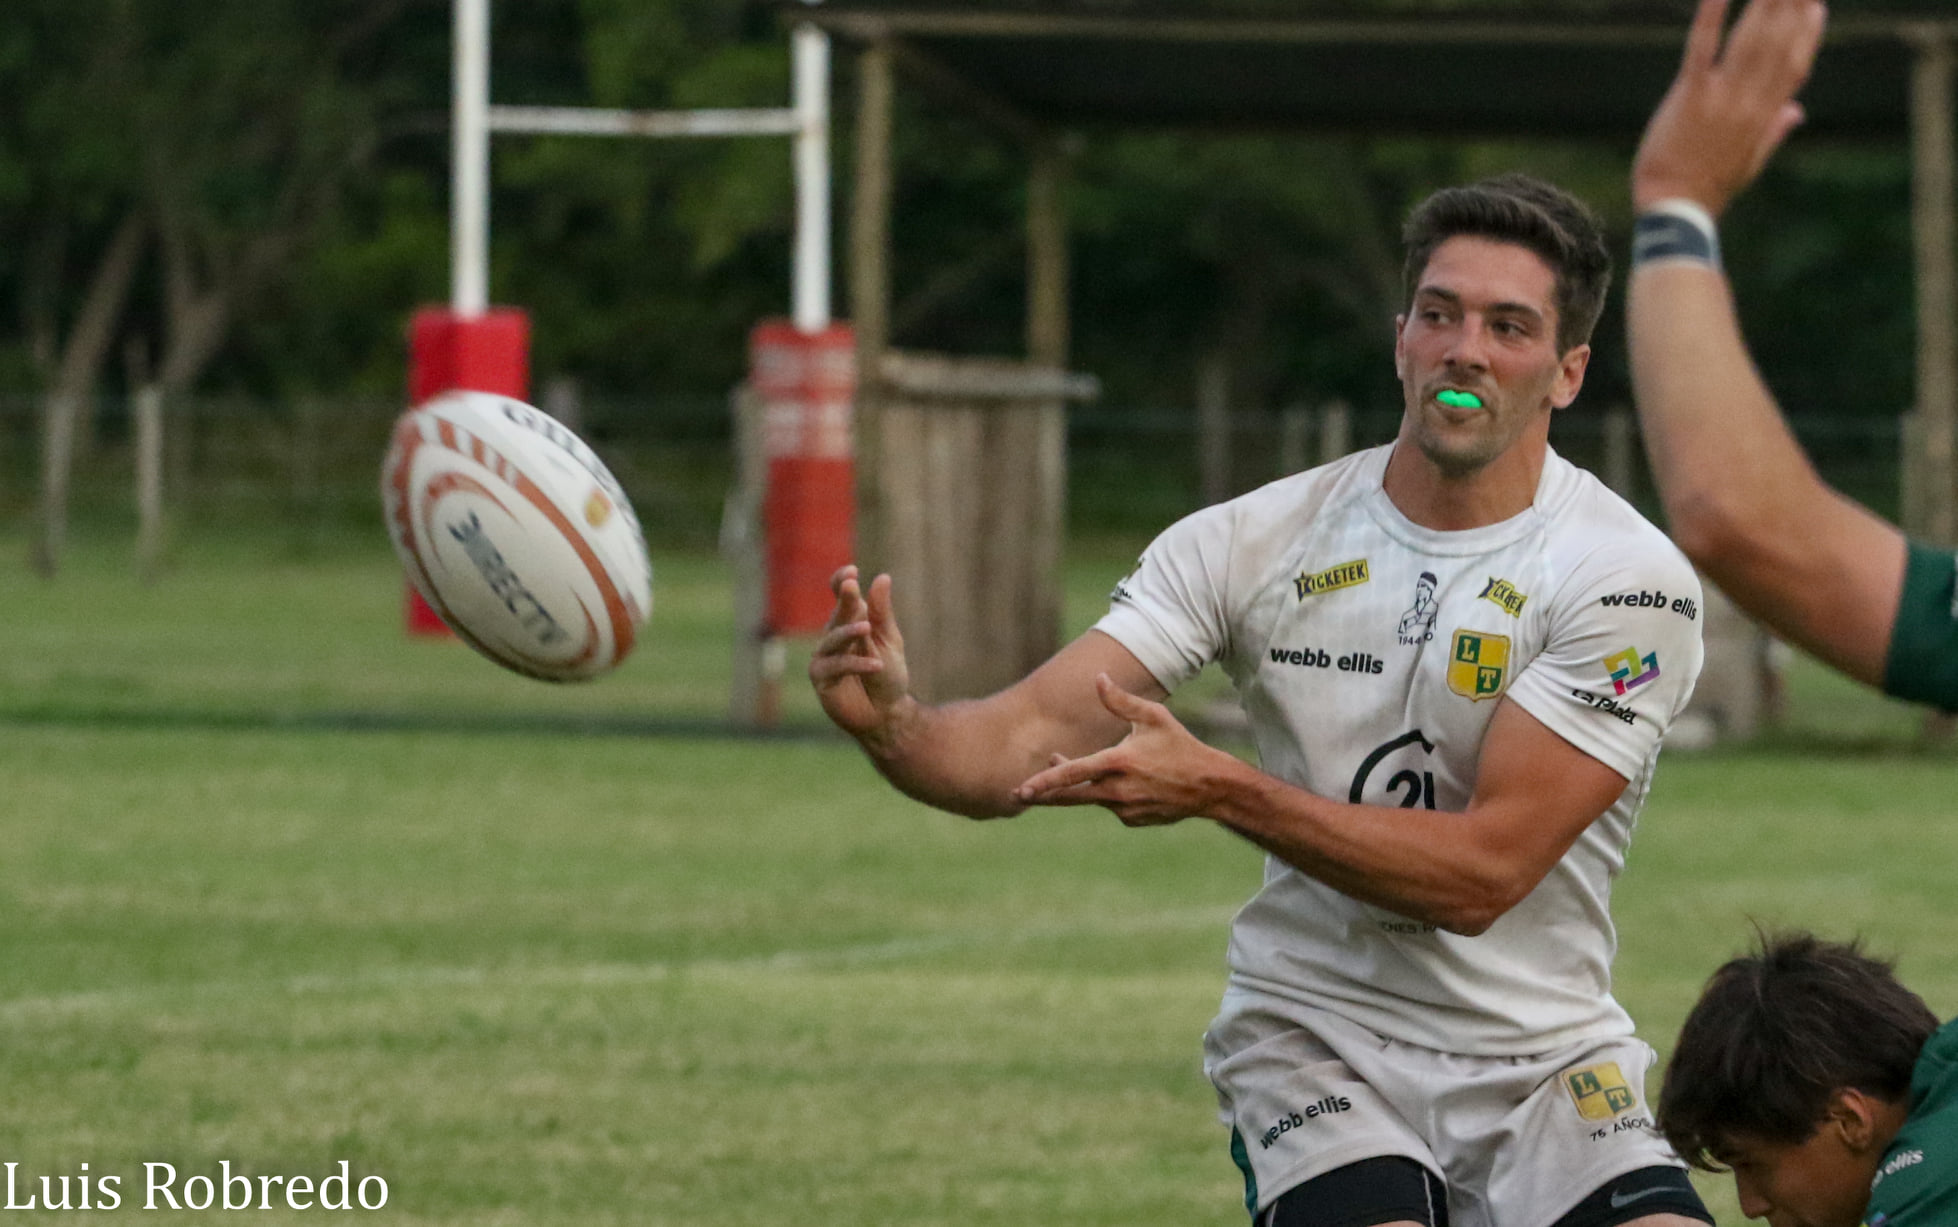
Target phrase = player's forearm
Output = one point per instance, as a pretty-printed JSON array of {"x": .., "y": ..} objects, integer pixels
[
  {"x": 958, "y": 757},
  {"x": 1741, "y": 497},
  {"x": 1423, "y": 864},
  {"x": 1728, "y": 470}
]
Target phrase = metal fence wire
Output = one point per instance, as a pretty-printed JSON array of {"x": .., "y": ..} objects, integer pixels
[{"x": 310, "y": 466}]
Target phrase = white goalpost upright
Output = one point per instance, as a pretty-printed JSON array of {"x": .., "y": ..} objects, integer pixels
[
  {"x": 806, "y": 121},
  {"x": 497, "y": 359}
]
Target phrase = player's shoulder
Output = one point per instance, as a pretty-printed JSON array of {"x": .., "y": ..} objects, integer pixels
[
  {"x": 1270, "y": 515},
  {"x": 1350, "y": 477},
  {"x": 1596, "y": 539}
]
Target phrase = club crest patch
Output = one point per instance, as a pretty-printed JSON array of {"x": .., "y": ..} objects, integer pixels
[
  {"x": 1600, "y": 1091},
  {"x": 1479, "y": 664}
]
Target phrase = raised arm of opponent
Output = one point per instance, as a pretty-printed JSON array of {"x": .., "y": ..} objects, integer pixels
[{"x": 1741, "y": 498}]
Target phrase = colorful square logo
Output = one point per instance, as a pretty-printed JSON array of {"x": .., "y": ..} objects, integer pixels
[{"x": 1629, "y": 670}]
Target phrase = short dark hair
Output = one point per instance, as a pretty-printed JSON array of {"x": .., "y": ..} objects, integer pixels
[
  {"x": 1776, "y": 1034},
  {"x": 1524, "y": 210}
]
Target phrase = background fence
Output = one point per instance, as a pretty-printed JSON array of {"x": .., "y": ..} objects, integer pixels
[{"x": 307, "y": 467}]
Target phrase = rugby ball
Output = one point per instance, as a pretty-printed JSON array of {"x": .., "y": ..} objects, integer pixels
[{"x": 517, "y": 535}]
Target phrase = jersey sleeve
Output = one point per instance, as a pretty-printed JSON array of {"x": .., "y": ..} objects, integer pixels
[
  {"x": 1923, "y": 661},
  {"x": 1621, "y": 657},
  {"x": 1915, "y": 1184},
  {"x": 1171, "y": 610}
]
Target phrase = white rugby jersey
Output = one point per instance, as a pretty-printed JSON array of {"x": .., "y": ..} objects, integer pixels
[{"x": 1369, "y": 653}]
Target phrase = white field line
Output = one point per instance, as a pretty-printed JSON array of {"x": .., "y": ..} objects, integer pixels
[{"x": 896, "y": 950}]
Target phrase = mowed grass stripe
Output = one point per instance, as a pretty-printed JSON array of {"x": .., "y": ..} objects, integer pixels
[{"x": 423, "y": 980}]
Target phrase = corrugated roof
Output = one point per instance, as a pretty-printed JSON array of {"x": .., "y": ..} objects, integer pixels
[{"x": 1577, "y": 68}]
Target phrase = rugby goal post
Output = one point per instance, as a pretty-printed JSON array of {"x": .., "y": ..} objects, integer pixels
[{"x": 469, "y": 344}]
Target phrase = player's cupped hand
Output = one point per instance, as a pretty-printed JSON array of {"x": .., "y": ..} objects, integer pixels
[
  {"x": 1160, "y": 773},
  {"x": 858, "y": 667}
]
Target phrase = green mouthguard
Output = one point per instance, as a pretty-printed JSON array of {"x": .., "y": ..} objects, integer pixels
[{"x": 1459, "y": 400}]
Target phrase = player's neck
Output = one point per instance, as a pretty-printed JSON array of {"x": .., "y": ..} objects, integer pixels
[{"x": 1489, "y": 495}]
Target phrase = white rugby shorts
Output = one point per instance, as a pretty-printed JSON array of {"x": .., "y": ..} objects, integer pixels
[{"x": 1518, "y": 1141}]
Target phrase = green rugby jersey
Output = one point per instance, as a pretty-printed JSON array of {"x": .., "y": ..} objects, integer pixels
[
  {"x": 1917, "y": 1182},
  {"x": 1923, "y": 661}
]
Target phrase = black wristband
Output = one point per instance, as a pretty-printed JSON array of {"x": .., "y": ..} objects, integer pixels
[{"x": 1675, "y": 231}]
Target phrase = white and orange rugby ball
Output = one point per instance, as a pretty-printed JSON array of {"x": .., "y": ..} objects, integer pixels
[{"x": 517, "y": 535}]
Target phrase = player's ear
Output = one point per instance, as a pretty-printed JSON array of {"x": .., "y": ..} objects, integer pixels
[
  {"x": 1570, "y": 376},
  {"x": 1400, "y": 353},
  {"x": 1853, "y": 1116}
]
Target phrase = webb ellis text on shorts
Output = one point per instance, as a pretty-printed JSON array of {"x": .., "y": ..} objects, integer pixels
[{"x": 163, "y": 1187}]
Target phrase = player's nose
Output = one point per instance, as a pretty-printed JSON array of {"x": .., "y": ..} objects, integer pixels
[
  {"x": 1467, "y": 350},
  {"x": 1752, "y": 1204}
]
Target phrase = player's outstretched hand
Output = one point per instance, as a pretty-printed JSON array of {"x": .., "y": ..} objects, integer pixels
[
  {"x": 1160, "y": 773},
  {"x": 858, "y": 667},
  {"x": 1730, "y": 107}
]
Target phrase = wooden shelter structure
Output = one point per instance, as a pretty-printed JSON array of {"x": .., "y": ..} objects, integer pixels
[{"x": 1037, "y": 69}]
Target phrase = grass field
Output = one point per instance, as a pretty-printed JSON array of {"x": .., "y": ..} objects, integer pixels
[{"x": 283, "y": 888}]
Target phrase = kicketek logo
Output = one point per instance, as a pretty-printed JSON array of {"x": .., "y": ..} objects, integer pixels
[
  {"x": 1319, "y": 658},
  {"x": 1296, "y": 1120},
  {"x": 1683, "y": 606},
  {"x": 1345, "y": 575},
  {"x": 1505, "y": 596}
]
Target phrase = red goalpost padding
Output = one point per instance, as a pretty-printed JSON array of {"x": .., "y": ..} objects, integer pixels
[{"x": 448, "y": 351}]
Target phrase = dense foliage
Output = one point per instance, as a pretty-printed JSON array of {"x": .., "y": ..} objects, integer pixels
[{"x": 250, "y": 196}]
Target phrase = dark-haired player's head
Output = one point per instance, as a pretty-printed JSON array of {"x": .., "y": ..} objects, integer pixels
[
  {"x": 1531, "y": 213},
  {"x": 1794, "y": 1072},
  {"x": 1505, "y": 280}
]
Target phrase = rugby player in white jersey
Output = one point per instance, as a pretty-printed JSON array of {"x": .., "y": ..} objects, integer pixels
[{"x": 1459, "y": 655}]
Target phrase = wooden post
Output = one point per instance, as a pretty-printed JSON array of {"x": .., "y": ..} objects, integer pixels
[
  {"x": 1620, "y": 451},
  {"x": 1294, "y": 430},
  {"x": 149, "y": 482},
  {"x": 1932, "y": 184},
  {"x": 755, "y": 692},
  {"x": 57, "y": 462},
  {"x": 972, "y": 450},
  {"x": 1335, "y": 430},
  {"x": 564, "y": 401},
  {"x": 870, "y": 289},
  {"x": 1047, "y": 258},
  {"x": 1937, "y": 266},
  {"x": 307, "y": 443},
  {"x": 1214, "y": 427}
]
